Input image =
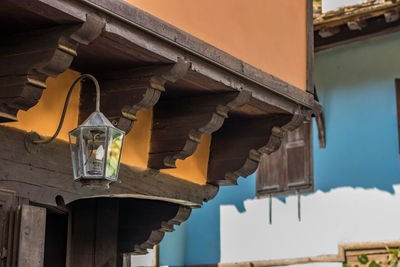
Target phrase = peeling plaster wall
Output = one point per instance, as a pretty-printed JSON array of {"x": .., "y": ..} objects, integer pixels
[{"x": 343, "y": 215}]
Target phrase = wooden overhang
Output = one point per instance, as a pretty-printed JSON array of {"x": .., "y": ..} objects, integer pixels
[
  {"x": 141, "y": 62},
  {"x": 356, "y": 22}
]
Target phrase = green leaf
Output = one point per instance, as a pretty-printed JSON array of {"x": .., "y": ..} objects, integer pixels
[
  {"x": 373, "y": 264},
  {"x": 346, "y": 265},
  {"x": 363, "y": 259}
]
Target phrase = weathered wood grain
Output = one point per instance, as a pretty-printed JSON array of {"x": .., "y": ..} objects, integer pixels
[
  {"x": 180, "y": 122},
  {"x": 83, "y": 233},
  {"x": 103, "y": 229},
  {"x": 94, "y": 237},
  {"x": 228, "y": 160},
  {"x": 43, "y": 176},
  {"x": 123, "y": 93},
  {"x": 25, "y": 66},
  {"x": 194, "y": 46},
  {"x": 144, "y": 222},
  {"x": 107, "y": 232},
  {"x": 288, "y": 170},
  {"x": 31, "y": 236}
]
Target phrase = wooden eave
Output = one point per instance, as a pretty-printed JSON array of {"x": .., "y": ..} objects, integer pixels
[
  {"x": 143, "y": 62},
  {"x": 356, "y": 22},
  {"x": 156, "y": 41}
]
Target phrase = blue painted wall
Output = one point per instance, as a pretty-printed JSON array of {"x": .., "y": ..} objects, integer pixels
[
  {"x": 355, "y": 84},
  {"x": 202, "y": 244}
]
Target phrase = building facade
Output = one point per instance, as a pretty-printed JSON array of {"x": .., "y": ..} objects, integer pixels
[
  {"x": 185, "y": 106},
  {"x": 356, "y": 178}
]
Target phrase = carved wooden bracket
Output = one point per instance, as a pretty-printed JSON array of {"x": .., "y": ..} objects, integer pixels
[
  {"x": 156, "y": 236},
  {"x": 180, "y": 122},
  {"x": 26, "y": 60},
  {"x": 256, "y": 136},
  {"x": 143, "y": 223},
  {"x": 124, "y": 93}
]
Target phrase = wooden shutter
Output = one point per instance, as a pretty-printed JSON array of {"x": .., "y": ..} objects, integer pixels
[{"x": 290, "y": 168}]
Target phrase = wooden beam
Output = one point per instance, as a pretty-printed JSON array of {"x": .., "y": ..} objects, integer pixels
[
  {"x": 104, "y": 229},
  {"x": 47, "y": 174},
  {"x": 391, "y": 16},
  {"x": 376, "y": 26},
  {"x": 228, "y": 160},
  {"x": 167, "y": 225},
  {"x": 144, "y": 222},
  {"x": 123, "y": 93},
  {"x": 356, "y": 25},
  {"x": 356, "y": 12},
  {"x": 326, "y": 33},
  {"x": 180, "y": 122},
  {"x": 25, "y": 66}
]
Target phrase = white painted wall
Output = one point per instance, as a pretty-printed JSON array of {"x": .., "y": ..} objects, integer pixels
[
  {"x": 147, "y": 260},
  {"x": 342, "y": 215},
  {"x": 328, "y": 5}
]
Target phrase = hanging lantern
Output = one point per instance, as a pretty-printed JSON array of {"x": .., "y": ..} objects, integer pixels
[{"x": 96, "y": 145}]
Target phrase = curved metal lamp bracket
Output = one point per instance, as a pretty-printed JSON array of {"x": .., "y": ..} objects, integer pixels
[{"x": 33, "y": 140}]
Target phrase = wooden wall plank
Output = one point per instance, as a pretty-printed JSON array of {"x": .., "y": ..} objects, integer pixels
[
  {"x": 106, "y": 245},
  {"x": 82, "y": 233},
  {"x": 32, "y": 236}
]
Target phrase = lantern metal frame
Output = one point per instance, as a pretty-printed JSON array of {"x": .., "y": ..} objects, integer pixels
[{"x": 33, "y": 140}]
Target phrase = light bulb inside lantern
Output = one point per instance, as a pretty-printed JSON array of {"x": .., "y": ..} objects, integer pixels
[{"x": 100, "y": 153}]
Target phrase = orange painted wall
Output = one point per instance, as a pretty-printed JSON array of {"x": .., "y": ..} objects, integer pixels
[
  {"x": 269, "y": 34},
  {"x": 194, "y": 168},
  {"x": 44, "y": 117}
]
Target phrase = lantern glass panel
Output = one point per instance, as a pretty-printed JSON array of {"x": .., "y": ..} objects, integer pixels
[
  {"x": 75, "y": 152},
  {"x": 94, "y": 141},
  {"x": 115, "y": 141}
]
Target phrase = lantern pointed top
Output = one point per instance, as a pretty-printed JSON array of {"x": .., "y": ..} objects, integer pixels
[{"x": 97, "y": 119}]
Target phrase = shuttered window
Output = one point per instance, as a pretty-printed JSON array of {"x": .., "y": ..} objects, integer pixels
[{"x": 290, "y": 168}]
